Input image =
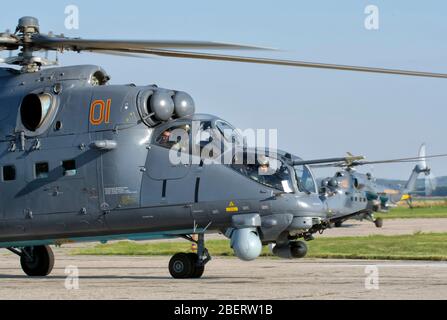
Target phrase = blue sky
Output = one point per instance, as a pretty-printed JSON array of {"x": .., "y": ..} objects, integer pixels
[{"x": 318, "y": 113}]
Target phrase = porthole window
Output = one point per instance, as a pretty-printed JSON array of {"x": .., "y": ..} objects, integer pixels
[
  {"x": 9, "y": 173},
  {"x": 42, "y": 170},
  {"x": 69, "y": 168}
]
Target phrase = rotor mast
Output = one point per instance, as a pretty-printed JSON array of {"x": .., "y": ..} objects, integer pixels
[{"x": 27, "y": 28}]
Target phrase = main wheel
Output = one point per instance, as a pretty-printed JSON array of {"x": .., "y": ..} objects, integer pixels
[
  {"x": 198, "y": 270},
  {"x": 38, "y": 262},
  {"x": 379, "y": 222},
  {"x": 338, "y": 224},
  {"x": 181, "y": 266}
]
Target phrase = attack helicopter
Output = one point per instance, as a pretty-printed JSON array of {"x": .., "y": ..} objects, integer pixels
[
  {"x": 82, "y": 160},
  {"x": 348, "y": 187}
]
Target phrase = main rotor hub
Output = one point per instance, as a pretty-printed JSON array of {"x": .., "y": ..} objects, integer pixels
[{"x": 28, "y": 25}]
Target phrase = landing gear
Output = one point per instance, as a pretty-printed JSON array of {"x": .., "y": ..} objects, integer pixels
[
  {"x": 199, "y": 268},
  {"x": 190, "y": 265},
  {"x": 379, "y": 222},
  {"x": 181, "y": 266},
  {"x": 36, "y": 261}
]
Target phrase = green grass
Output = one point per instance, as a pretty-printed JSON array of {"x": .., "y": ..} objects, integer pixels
[
  {"x": 406, "y": 247},
  {"x": 407, "y": 213}
]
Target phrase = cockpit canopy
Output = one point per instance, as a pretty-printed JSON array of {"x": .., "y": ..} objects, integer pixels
[
  {"x": 214, "y": 140},
  {"x": 198, "y": 134}
]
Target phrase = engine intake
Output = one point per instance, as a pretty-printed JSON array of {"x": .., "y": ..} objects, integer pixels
[{"x": 36, "y": 111}]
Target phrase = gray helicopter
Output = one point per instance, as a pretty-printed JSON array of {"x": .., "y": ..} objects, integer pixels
[
  {"x": 348, "y": 188},
  {"x": 85, "y": 161}
]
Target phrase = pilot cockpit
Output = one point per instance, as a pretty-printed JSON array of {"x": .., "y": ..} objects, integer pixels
[
  {"x": 202, "y": 136},
  {"x": 305, "y": 179},
  {"x": 267, "y": 171}
]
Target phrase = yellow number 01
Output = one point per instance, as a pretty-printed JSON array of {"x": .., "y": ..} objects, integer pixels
[{"x": 104, "y": 112}]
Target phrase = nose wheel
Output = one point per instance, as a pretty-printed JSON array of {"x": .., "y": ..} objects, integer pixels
[
  {"x": 190, "y": 265},
  {"x": 185, "y": 266},
  {"x": 36, "y": 261},
  {"x": 378, "y": 222}
]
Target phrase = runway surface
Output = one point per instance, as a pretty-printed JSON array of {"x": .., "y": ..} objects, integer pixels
[{"x": 228, "y": 278}]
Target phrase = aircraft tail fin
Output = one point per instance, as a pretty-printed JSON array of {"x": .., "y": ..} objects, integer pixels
[{"x": 421, "y": 167}]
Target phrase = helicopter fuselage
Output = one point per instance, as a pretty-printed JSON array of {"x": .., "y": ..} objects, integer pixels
[{"x": 86, "y": 167}]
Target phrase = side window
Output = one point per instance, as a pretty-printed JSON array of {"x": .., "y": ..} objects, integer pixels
[
  {"x": 177, "y": 136},
  {"x": 41, "y": 170},
  {"x": 268, "y": 171},
  {"x": 229, "y": 133},
  {"x": 305, "y": 179},
  {"x": 69, "y": 167},
  {"x": 9, "y": 173},
  {"x": 203, "y": 139}
]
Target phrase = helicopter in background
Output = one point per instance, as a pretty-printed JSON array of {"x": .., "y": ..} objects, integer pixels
[
  {"x": 349, "y": 187},
  {"x": 85, "y": 161}
]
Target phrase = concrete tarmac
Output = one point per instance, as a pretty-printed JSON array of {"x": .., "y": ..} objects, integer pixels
[
  {"x": 118, "y": 277},
  {"x": 227, "y": 278}
]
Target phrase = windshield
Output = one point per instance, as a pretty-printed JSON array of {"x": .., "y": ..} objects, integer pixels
[
  {"x": 229, "y": 133},
  {"x": 269, "y": 172},
  {"x": 305, "y": 180}
]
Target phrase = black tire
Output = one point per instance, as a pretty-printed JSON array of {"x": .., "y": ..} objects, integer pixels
[
  {"x": 181, "y": 266},
  {"x": 338, "y": 224},
  {"x": 198, "y": 270},
  {"x": 298, "y": 249},
  {"x": 41, "y": 262},
  {"x": 379, "y": 222}
]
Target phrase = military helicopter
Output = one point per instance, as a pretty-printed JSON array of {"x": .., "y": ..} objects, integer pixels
[
  {"x": 347, "y": 187},
  {"x": 84, "y": 161}
]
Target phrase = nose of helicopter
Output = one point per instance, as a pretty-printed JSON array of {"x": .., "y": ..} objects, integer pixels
[
  {"x": 310, "y": 205},
  {"x": 309, "y": 211}
]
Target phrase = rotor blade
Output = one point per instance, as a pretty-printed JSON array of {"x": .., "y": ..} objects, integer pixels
[
  {"x": 8, "y": 41},
  {"x": 328, "y": 165},
  {"x": 428, "y": 187},
  {"x": 354, "y": 163},
  {"x": 430, "y": 184},
  {"x": 136, "y": 46},
  {"x": 414, "y": 159},
  {"x": 326, "y": 161},
  {"x": 158, "y": 48},
  {"x": 433, "y": 181},
  {"x": 125, "y": 54},
  {"x": 291, "y": 63}
]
